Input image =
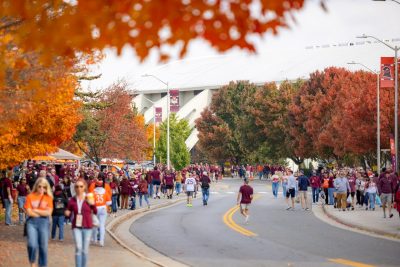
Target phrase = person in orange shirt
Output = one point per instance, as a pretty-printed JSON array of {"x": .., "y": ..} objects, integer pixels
[
  {"x": 38, "y": 207},
  {"x": 102, "y": 200},
  {"x": 106, "y": 186}
]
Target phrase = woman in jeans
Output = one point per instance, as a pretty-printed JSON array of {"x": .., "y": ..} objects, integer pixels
[
  {"x": 114, "y": 184},
  {"x": 22, "y": 191},
  {"x": 38, "y": 206},
  {"x": 370, "y": 189},
  {"x": 143, "y": 191},
  {"x": 82, "y": 207}
]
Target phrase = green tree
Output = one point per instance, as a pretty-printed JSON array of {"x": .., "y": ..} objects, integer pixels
[{"x": 179, "y": 132}]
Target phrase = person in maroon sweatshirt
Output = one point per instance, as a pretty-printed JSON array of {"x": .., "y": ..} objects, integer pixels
[
  {"x": 125, "y": 189},
  {"x": 385, "y": 191},
  {"x": 315, "y": 182}
]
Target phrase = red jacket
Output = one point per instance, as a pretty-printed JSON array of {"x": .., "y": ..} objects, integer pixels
[
  {"x": 86, "y": 213},
  {"x": 315, "y": 181}
]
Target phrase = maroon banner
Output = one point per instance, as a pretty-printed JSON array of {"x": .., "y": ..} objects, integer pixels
[
  {"x": 387, "y": 72},
  {"x": 158, "y": 115},
  {"x": 174, "y": 100},
  {"x": 393, "y": 152}
]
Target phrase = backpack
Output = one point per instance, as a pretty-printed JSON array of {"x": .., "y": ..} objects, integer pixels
[{"x": 204, "y": 182}]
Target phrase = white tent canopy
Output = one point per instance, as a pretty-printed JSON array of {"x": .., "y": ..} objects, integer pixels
[{"x": 62, "y": 154}]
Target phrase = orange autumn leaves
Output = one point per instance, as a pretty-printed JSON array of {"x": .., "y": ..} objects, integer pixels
[
  {"x": 37, "y": 111},
  {"x": 59, "y": 27}
]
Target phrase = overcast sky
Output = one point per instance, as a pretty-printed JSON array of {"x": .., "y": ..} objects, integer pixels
[{"x": 290, "y": 55}]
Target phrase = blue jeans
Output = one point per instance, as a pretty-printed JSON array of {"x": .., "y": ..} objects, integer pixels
[
  {"x": 178, "y": 188},
  {"x": 58, "y": 221},
  {"x": 206, "y": 194},
  {"x": 8, "y": 207},
  {"x": 372, "y": 197},
  {"x": 260, "y": 175},
  {"x": 150, "y": 190},
  {"x": 366, "y": 199},
  {"x": 284, "y": 186},
  {"x": 330, "y": 196},
  {"x": 38, "y": 238},
  {"x": 82, "y": 241},
  {"x": 21, "y": 213},
  {"x": 101, "y": 230},
  {"x": 315, "y": 194},
  {"x": 275, "y": 188},
  {"x": 146, "y": 198},
  {"x": 114, "y": 203}
]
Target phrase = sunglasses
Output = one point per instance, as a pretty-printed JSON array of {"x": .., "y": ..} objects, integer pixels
[
  {"x": 79, "y": 186},
  {"x": 42, "y": 186}
]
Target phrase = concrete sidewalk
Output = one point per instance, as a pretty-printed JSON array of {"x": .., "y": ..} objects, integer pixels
[{"x": 367, "y": 220}]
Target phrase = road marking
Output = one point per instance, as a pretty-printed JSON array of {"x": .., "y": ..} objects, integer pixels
[
  {"x": 350, "y": 263},
  {"x": 228, "y": 220},
  {"x": 231, "y": 223}
]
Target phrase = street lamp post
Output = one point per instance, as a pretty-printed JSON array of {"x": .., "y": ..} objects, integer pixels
[
  {"x": 154, "y": 130},
  {"x": 168, "y": 134},
  {"x": 378, "y": 118},
  {"x": 398, "y": 2},
  {"x": 396, "y": 95}
]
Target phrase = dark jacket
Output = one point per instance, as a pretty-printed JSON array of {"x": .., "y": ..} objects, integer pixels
[
  {"x": 60, "y": 203},
  {"x": 303, "y": 183}
]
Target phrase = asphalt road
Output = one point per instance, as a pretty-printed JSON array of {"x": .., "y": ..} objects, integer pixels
[{"x": 198, "y": 236}]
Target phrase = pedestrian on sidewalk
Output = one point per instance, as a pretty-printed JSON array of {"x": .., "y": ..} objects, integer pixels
[
  {"x": 168, "y": 180},
  {"x": 291, "y": 192},
  {"x": 156, "y": 180},
  {"x": 60, "y": 203},
  {"x": 8, "y": 201},
  {"x": 325, "y": 186},
  {"x": 190, "y": 184},
  {"x": 284, "y": 183},
  {"x": 303, "y": 190},
  {"x": 352, "y": 182},
  {"x": 342, "y": 187},
  {"x": 244, "y": 198},
  {"x": 115, "y": 194},
  {"x": 143, "y": 191},
  {"x": 315, "y": 183},
  {"x": 102, "y": 200},
  {"x": 371, "y": 190},
  {"x": 178, "y": 182},
  {"x": 82, "y": 208},
  {"x": 331, "y": 190},
  {"x": 22, "y": 191},
  {"x": 125, "y": 189},
  {"x": 39, "y": 207},
  {"x": 385, "y": 189},
  {"x": 205, "y": 187}
]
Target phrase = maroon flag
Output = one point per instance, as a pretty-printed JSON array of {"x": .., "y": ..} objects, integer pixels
[
  {"x": 174, "y": 100},
  {"x": 387, "y": 72},
  {"x": 158, "y": 115}
]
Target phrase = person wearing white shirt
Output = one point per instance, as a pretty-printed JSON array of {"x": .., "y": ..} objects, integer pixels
[
  {"x": 190, "y": 184},
  {"x": 291, "y": 190}
]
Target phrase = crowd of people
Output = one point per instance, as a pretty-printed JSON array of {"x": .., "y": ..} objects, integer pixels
[
  {"x": 84, "y": 196},
  {"x": 344, "y": 188}
]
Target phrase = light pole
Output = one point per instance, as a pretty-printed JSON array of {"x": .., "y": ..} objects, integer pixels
[
  {"x": 378, "y": 118},
  {"x": 154, "y": 130},
  {"x": 168, "y": 137},
  {"x": 396, "y": 94}
]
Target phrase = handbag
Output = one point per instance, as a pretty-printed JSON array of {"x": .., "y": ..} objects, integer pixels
[
  {"x": 95, "y": 220},
  {"x": 26, "y": 221}
]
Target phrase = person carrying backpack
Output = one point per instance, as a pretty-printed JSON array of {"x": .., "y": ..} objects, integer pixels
[
  {"x": 205, "y": 187},
  {"x": 60, "y": 203}
]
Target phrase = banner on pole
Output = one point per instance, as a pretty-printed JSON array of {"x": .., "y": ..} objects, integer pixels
[
  {"x": 158, "y": 115},
  {"x": 174, "y": 100},
  {"x": 387, "y": 72},
  {"x": 393, "y": 152}
]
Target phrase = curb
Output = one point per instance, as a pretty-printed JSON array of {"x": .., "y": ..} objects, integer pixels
[
  {"x": 358, "y": 227},
  {"x": 111, "y": 226}
]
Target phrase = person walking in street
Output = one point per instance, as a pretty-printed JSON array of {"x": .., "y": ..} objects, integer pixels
[
  {"x": 82, "y": 208},
  {"x": 205, "y": 187},
  {"x": 38, "y": 207},
  {"x": 342, "y": 187},
  {"x": 178, "y": 182},
  {"x": 303, "y": 184},
  {"x": 60, "y": 203},
  {"x": 22, "y": 191},
  {"x": 385, "y": 190},
  {"x": 143, "y": 191},
  {"x": 315, "y": 183},
  {"x": 102, "y": 201},
  {"x": 244, "y": 198},
  {"x": 291, "y": 190},
  {"x": 275, "y": 184},
  {"x": 190, "y": 184}
]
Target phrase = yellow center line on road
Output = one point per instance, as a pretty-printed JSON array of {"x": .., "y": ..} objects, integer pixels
[
  {"x": 228, "y": 220},
  {"x": 350, "y": 263}
]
